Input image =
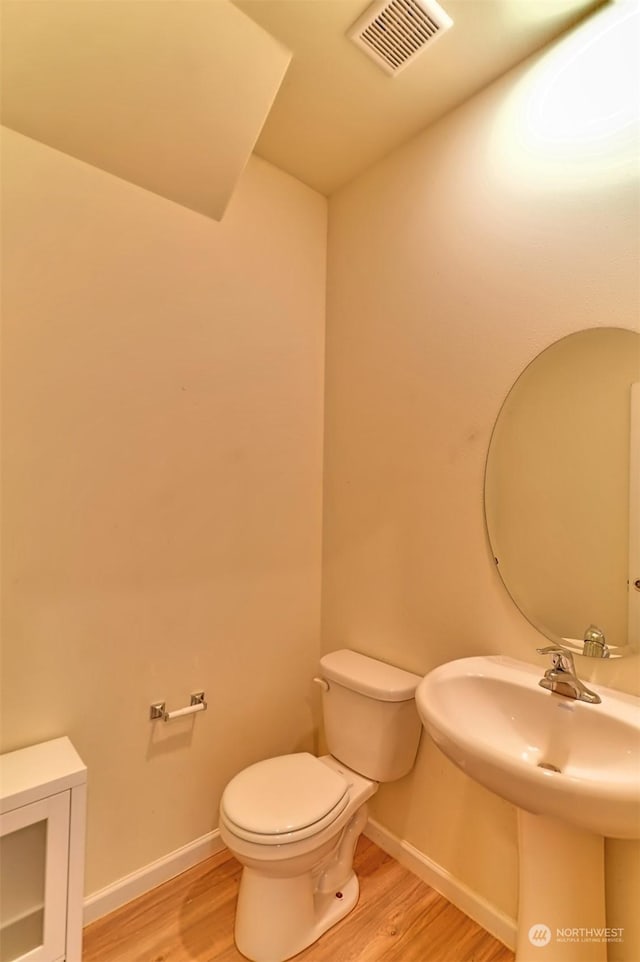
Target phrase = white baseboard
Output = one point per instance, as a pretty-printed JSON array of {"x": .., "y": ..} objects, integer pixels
[
  {"x": 131, "y": 886},
  {"x": 488, "y": 916}
]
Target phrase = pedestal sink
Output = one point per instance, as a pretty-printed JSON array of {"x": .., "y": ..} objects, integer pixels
[{"x": 573, "y": 770}]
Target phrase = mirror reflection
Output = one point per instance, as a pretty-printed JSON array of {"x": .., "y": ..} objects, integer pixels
[{"x": 562, "y": 492}]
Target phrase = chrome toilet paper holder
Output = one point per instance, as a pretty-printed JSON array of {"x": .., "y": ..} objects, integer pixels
[{"x": 159, "y": 708}]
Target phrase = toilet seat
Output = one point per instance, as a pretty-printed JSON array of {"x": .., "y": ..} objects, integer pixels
[{"x": 283, "y": 799}]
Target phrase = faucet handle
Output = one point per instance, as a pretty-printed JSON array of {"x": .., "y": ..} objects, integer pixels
[{"x": 562, "y": 658}]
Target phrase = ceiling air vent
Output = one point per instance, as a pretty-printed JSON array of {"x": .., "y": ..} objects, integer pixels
[{"x": 394, "y": 32}]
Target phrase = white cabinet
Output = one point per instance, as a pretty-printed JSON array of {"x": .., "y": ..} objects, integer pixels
[{"x": 42, "y": 832}]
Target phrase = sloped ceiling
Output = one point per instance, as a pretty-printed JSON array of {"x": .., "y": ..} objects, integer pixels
[
  {"x": 169, "y": 95},
  {"x": 337, "y": 112},
  {"x": 173, "y": 95}
]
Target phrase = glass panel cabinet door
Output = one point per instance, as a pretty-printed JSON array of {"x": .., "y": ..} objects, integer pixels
[{"x": 34, "y": 851}]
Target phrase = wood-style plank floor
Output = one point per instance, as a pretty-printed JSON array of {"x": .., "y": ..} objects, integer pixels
[{"x": 190, "y": 919}]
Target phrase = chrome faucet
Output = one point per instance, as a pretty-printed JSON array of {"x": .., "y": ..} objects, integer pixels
[
  {"x": 594, "y": 643},
  {"x": 561, "y": 677}
]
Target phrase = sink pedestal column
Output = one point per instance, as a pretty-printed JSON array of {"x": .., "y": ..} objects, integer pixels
[{"x": 561, "y": 910}]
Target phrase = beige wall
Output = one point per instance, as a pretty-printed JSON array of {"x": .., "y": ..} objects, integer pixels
[
  {"x": 162, "y": 486},
  {"x": 451, "y": 265}
]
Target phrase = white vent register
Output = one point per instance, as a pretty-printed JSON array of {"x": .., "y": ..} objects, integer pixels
[{"x": 394, "y": 32}]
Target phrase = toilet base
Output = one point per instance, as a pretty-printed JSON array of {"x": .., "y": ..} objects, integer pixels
[{"x": 290, "y": 917}]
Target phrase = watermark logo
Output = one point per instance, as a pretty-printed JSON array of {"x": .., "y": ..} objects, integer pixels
[
  {"x": 539, "y": 935},
  {"x": 604, "y": 934}
]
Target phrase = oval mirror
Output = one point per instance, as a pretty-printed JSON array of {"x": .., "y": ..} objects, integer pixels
[{"x": 562, "y": 491}]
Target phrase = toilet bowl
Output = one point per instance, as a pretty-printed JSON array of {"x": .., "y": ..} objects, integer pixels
[
  {"x": 297, "y": 879},
  {"x": 293, "y": 821}
]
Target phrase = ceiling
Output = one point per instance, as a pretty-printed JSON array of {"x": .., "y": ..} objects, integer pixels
[
  {"x": 173, "y": 95},
  {"x": 170, "y": 96},
  {"x": 336, "y": 112}
]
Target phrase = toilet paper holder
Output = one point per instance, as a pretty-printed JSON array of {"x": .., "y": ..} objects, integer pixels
[{"x": 159, "y": 709}]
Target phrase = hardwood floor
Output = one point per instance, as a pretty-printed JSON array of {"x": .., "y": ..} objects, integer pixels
[{"x": 190, "y": 919}]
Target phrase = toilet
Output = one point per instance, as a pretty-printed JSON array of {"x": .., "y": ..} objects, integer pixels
[{"x": 293, "y": 821}]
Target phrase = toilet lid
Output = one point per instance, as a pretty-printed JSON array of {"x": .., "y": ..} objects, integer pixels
[{"x": 283, "y": 795}]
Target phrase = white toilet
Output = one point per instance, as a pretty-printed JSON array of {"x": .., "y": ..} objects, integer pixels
[{"x": 293, "y": 821}]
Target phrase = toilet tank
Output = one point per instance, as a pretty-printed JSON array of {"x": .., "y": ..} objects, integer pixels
[{"x": 370, "y": 716}]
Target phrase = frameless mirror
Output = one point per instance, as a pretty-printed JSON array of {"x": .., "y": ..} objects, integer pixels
[{"x": 562, "y": 491}]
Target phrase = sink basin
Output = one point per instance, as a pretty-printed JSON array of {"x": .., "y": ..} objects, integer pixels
[{"x": 548, "y": 754}]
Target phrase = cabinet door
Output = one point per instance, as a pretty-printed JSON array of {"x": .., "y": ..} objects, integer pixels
[{"x": 34, "y": 853}]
